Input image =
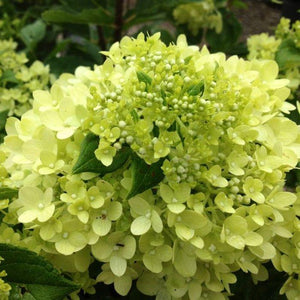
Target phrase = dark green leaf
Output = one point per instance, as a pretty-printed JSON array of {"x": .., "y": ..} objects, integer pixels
[
  {"x": 41, "y": 280},
  {"x": 97, "y": 16},
  {"x": 33, "y": 33},
  {"x": 91, "y": 50},
  {"x": 287, "y": 55},
  {"x": 135, "y": 17},
  {"x": 17, "y": 293},
  {"x": 87, "y": 153},
  {"x": 226, "y": 40},
  {"x": 9, "y": 76},
  {"x": 153, "y": 11},
  {"x": 143, "y": 77},
  {"x": 151, "y": 4},
  {"x": 67, "y": 64},
  {"x": 7, "y": 193},
  {"x": 196, "y": 89},
  {"x": 3, "y": 117},
  {"x": 59, "y": 48},
  {"x": 28, "y": 296},
  {"x": 144, "y": 176},
  {"x": 78, "y": 5},
  {"x": 87, "y": 161}
]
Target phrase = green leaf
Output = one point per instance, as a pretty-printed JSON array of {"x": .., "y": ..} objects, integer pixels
[
  {"x": 87, "y": 161},
  {"x": 227, "y": 39},
  {"x": 41, "y": 280},
  {"x": 91, "y": 50},
  {"x": 143, "y": 77},
  {"x": 59, "y": 48},
  {"x": 196, "y": 89},
  {"x": 16, "y": 293},
  {"x": 97, "y": 16},
  {"x": 287, "y": 55},
  {"x": 3, "y": 117},
  {"x": 144, "y": 176},
  {"x": 7, "y": 193},
  {"x": 33, "y": 33},
  {"x": 135, "y": 16},
  {"x": 9, "y": 76},
  {"x": 87, "y": 155},
  {"x": 151, "y": 4},
  {"x": 67, "y": 64}
]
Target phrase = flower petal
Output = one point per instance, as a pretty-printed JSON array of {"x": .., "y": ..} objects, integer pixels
[
  {"x": 118, "y": 265},
  {"x": 140, "y": 225}
]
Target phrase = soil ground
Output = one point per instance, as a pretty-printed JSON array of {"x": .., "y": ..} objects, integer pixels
[{"x": 258, "y": 17}]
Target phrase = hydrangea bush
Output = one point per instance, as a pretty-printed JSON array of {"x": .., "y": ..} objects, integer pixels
[
  {"x": 166, "y": 164},
  {"x": 17, "y": 80},
  {"x": 284, "y": 47}
]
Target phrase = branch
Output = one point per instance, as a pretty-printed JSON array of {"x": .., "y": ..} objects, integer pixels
[
  {"x": 101, "y": 37},
  {"x": 118, "y": 20}
]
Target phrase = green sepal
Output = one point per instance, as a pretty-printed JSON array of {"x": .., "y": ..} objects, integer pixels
[
  {"x": 87, "y": 161},
  {"x": 40, "y": 279},
  {"x": 143, "y": 77},
  {"x": 7, "y": 193},
  {"x": 135, "y": 116},
  {"x": 144, "y": 176},
  {"x": 196, "y": 89}
]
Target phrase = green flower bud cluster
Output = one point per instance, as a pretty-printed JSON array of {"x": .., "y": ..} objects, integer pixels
[
  {"x": 4, "y": 287},
  {"x": 263, "y": 46},
  {"x": 17, "y": 80},
  {"x": 199, "y": 15},
  {"x": 216, "y": 125}
]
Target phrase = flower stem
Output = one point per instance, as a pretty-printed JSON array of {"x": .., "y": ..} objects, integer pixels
[
  {"x": 101, "y": 37},
  {"x": 118, "y": 20}
]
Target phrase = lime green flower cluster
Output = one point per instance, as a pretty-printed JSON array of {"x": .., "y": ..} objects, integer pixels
[
  {"x": 263, "y": 46},
  {"x": 4, "y": 287},
  {"x": 216, "y": 128},
  {"x": 9, "y": 27},
  {"x": 284, "y": 30},
  {"x": 199, "y": 15},
  {"x": 17, "y": 80}
]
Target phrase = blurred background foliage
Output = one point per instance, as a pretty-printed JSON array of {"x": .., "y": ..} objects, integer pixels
[{"x": 68, "y": 33}]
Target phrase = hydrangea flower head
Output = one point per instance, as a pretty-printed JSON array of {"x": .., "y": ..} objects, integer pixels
[
  {"x": 263, "y": 46},
  {"x": 199, "y": 15},
  {"x": 201, "y": 128},
  {"x": 19, "y": 80}
]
